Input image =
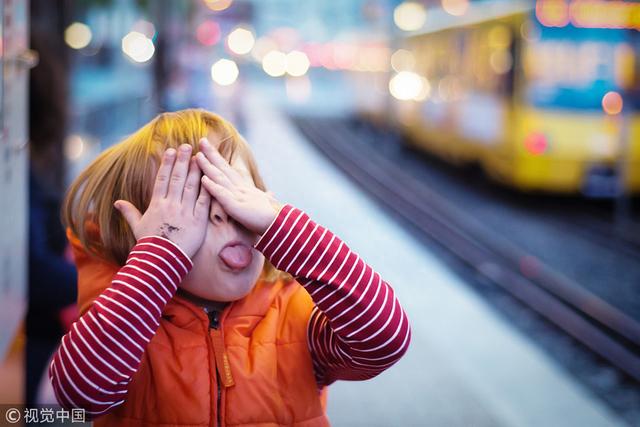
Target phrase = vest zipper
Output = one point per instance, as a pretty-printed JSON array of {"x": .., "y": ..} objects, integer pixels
[{"x": 214, "y": 323}]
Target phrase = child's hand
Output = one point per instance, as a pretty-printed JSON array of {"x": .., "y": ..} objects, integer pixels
[
  {"x": 250, "y": 206},
  {"x": 176, "y": 211}
]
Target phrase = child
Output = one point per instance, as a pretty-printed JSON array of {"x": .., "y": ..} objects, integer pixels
[{"x": 204, "y": 301}]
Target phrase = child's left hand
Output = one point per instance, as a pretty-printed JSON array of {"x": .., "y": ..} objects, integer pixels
[{"x": 239, "y": 197}]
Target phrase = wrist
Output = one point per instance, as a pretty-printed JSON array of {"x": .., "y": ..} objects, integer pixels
[
  {"x": 276, "y": 207},
  {"x": 171, "y": 248}
]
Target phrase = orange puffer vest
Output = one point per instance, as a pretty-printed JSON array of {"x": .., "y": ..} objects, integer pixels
[{"x": 256, "y": 367}]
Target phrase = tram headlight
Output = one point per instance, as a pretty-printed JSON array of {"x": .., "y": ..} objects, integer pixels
[{"x": 536, "y": 143}]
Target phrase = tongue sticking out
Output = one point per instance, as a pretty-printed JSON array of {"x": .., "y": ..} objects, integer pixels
[{"x": 236, "y": 257}]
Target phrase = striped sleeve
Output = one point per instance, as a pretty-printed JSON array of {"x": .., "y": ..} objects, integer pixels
[
  {"x": 97, "y": 358},
  {"x": 357, "y": 328}
]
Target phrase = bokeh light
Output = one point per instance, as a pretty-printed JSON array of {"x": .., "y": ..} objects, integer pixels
[
  {"x": 73, "y": 147},
  {"x": 402, "y": 60},
  {"x": 78, "y": 35},
  {"x": 536, "y": 143},
  {"x": 263, "y": 46},
  {"x": 425, "y": 91},
  {"x": 406, "y": 85},
  {"x": 612, "y": 103},
  {"x": 297, "y": 63},
  {"x": 455, "y": 7},
  {"x": 138, "y": 47},
  {"x": 218, "y": 5},
  {"x": 501, "y": 61},
  {"x": 274, "y": 63},
  {"x": 241, "y": 41},
  {"x": 409, "y": 16},
  {"x": 145, "y": 27},
  {"x": 224, "y": 72},
  {"x": 208, "y": 33}
]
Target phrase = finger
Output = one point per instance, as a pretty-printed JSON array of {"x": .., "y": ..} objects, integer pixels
[
  {"x": 213, "y": 172},
  {"x": 130, "y": 213},
  {"x": 161, "y": 185},
  {"x": 214, "y": 156},
  {"x": 217, "y": 191},
  {"x": 179, "y": 173},
  {"x": 192, "y": 184},
  {"x": 203, "y": 204}
]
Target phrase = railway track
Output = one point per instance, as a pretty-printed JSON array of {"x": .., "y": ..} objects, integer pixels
[{"x": 602, "y": 328}]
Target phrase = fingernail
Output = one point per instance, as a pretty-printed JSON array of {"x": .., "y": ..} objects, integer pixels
[
  {"x": 170, "y": 152},
  {"x": 185, "y": 148},
  {"x": 204, "y": 141}
]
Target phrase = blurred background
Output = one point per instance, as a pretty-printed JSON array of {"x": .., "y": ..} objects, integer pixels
[{"x": 483, "y": 155}]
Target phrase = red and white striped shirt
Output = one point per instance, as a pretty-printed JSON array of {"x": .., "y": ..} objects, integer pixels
[{"x": 356, "y": 330}]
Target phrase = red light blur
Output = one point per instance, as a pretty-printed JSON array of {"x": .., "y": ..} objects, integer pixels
[
  {"x": 552, "y": 13},
  {"x": 536, "y": 143},
  {"x": 612, "y": 103},
  {"x": 208, "y": 33}
]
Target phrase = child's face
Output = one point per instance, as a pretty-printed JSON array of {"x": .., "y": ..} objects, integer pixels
[{"x": 226, "y": 266}]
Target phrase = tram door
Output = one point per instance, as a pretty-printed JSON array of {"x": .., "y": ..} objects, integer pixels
[{"x": 15, "y": 61}]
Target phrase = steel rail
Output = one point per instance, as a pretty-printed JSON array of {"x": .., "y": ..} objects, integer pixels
[{"x": 602, "y": 328}]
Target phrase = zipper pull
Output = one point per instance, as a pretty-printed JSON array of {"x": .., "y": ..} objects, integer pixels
[{"x": 222, "y": 359}]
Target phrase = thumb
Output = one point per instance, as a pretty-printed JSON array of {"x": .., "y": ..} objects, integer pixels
[{"x": 130, "y": 213}]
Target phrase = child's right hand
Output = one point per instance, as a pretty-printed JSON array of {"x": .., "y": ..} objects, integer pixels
[{"x": 176, "y": 211}]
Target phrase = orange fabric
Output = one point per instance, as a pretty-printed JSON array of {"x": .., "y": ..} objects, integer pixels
[{"x": 260, "y": 353}]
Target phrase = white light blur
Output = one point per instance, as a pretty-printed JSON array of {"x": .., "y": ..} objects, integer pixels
[
  {"x": 425, "y": 91},
  {"x": 455, "y": 7},
  {"x": 224, "y": 72},
  {"x": 402, "y": 60},
  {"x": 297, "y": 63},
  {"x": 274, "y": 63},
  {"x": 263, "y": 46},
  {"x": 406, "y": 85},
  {"x": 241, "y": 41},
  {"x": 73, "y": 147},
  {"x": 501, "y": 61},
  {"x": 409, "y": 16},
  {"x": 77, "y": 35},
  {"x": 138, "y": 47},
  {"x": 218, "y": 5}
]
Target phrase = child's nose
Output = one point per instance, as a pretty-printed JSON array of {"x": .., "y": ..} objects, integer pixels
[{"x": 218, "y": 215}]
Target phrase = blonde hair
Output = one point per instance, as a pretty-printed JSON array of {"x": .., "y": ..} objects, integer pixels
[{"x": 126, "y": 171}]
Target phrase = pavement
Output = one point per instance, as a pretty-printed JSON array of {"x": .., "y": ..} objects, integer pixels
[{"x": 466, "y": 366}]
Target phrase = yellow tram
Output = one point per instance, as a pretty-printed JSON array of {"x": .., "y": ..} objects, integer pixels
[{"x": 544, "y": 95}]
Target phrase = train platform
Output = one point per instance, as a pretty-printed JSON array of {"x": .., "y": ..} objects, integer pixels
[{"x": 466, "y": 366}]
